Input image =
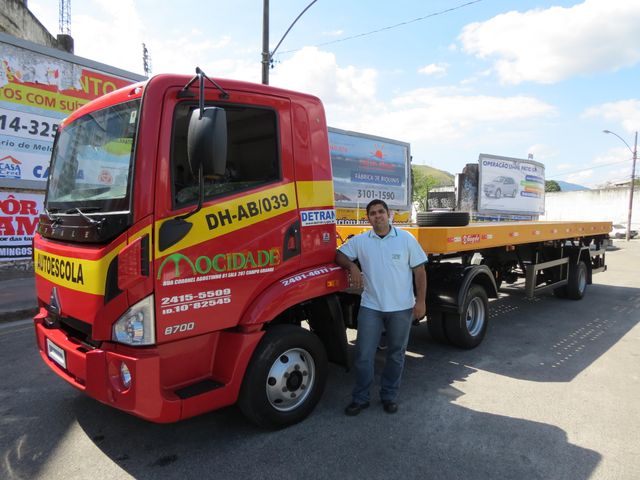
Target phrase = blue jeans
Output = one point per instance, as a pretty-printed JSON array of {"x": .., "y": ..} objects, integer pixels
[{"x": 370, "y": 325}]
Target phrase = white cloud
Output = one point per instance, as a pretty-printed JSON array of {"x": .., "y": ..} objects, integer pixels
[
  {"x": 625, "y": 112},
  {"x": 447, "y": 114},
  {"x": 550, "y": 45},
  {"x": 437, "y": 69},
  {"x": 543, "y": 153},
  {"x": 333, "y": 33},
  {"x": 317, "y": 72},
  {"x": 96, "y": 38}
]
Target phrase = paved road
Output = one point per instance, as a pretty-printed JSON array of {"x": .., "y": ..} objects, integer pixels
[{"x": 552, "y": 393}]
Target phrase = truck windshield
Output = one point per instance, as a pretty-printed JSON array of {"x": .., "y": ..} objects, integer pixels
[{"x": 92, "y": 160}]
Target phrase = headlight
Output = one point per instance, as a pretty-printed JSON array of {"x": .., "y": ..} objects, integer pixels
[{"x": 137, "y": 326}]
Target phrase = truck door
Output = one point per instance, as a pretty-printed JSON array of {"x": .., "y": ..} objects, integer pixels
[{"x": 247, "y": 234}]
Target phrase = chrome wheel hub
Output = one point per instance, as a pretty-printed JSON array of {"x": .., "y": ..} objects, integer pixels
[
  {"x": 290, "y": 379},
  {"x": 475, "y": 316}
]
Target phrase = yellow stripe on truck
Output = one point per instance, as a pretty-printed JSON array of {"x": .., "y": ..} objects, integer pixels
[
  {"x": 87, "y": 276},
  {"x": 315, "y": 194},
  {"x": 232, "y": 215}
]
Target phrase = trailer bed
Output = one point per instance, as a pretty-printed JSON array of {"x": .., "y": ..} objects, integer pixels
[{"x": 477, "y": 236}]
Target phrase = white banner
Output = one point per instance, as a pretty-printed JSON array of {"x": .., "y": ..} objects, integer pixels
[
  {"x": 510, "y": 185},
  {"x": 19, "y": 213}
]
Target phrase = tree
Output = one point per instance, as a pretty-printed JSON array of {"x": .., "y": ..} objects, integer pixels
[
  {"x": 422, "y": 183},
  {"x": 551, "y": 186}
]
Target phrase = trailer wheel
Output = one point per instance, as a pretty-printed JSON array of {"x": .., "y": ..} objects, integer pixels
[
  {"x": 285, "y": 378},
  {"x": 435, "y": 323},
  {"x": 467, "y": 329},
  {"x": 442, "y": 219},
  {"x": 577, "y": 281}
]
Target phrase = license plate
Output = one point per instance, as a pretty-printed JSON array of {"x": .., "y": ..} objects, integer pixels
[{"x": 56, "y": 354}]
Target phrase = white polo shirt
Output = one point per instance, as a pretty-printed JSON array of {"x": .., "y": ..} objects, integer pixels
[{"x": 386, "y": 264}]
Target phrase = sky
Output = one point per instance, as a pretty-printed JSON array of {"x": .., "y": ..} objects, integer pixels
[{"x": 454, "y": 78}]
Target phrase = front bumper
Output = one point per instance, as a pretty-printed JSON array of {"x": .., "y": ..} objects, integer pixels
[{"x": 166, "y": 386}]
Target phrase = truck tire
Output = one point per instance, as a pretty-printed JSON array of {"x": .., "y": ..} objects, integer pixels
[
  {"x": 467, "y": 329},
  {"x": 442, "y": 219},
  {"x": 577, "y": 281},
  {"x": 285, "y": 378},
  {"x": 435, "y": 324}
]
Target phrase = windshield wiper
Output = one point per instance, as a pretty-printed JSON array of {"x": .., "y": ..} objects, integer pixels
[
  {"x": 86, "y": 217},
  {"x": 54, "y": 220}
]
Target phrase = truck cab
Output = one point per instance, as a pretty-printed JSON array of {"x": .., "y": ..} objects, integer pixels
[{"x": 168, "y": 266}]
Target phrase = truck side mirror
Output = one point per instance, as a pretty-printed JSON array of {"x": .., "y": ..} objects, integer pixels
[{"x": 207, "y": 141}]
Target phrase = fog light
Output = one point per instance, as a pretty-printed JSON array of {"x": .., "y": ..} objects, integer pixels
[{"x": 125, "y": 375}]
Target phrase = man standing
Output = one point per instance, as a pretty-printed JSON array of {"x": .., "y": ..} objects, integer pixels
[{"x": 388, "y": 257}]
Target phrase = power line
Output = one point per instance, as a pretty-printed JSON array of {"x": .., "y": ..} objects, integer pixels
[
  {"x": 401, "y": 24},
  {"x": 556, "y": 175}
]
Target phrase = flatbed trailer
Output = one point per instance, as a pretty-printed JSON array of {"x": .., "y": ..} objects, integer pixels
[{"x": 468, "y": 264}]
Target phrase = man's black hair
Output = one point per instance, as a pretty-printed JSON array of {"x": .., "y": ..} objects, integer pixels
[{"x": 377, "y": 201}]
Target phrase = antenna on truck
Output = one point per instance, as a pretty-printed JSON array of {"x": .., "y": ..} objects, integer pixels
[{"x": 200, "y": 76}]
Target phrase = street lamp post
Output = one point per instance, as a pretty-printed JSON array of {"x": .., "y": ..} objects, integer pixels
[
  {"x": 634, "y": 152},
  {"x": 266, "y": 54}
]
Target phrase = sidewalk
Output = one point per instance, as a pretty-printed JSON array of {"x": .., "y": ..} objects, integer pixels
[{"x": 17, "y": 298}]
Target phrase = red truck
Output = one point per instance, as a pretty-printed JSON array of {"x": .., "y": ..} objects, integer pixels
[{"x": 184, "y": 257}]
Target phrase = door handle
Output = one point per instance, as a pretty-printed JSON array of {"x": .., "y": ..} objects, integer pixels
[{"x": 291, "y": 246}]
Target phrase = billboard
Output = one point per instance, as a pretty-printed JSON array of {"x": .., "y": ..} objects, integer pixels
[
  {"x": 366, "y": 167},
  {"x": 19, "y": 213},
  {"x": 39, "y": 87},
  {"x": 510, "y": 185}
]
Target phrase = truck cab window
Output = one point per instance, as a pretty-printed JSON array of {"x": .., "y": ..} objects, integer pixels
[{"x": 252, "y": 154}]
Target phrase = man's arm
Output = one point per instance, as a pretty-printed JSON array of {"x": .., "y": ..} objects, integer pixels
[
  {"x": 420, "y": 277},
  {"x": 354, "y": 272}
]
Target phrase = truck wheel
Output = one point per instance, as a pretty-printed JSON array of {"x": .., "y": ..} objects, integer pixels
[
  {"x": 285, "y": 378},
  {"x": 435, "y": 323},
  {"x": 467, "y": 329},
  {"x": 577, "y": 282}
]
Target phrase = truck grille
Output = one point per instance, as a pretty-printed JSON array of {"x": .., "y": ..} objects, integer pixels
[{"x": 73, "y": 328}]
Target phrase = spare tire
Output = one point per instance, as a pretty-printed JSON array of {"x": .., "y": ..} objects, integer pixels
[{"x": 443, "y": 219}]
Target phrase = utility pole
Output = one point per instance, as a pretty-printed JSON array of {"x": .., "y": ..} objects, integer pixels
[
  {"x": 633, "y": 179},
  {"x": 634, "y": 152},
  {"x": 266, "y": 56}
]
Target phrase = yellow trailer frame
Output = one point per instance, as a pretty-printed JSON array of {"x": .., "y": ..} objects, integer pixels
[
  {"x": 558, "y": 256},
  {"x": 478, "y": 236}
]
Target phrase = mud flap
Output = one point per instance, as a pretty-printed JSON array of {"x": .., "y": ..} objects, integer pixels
[{"x": 325, "y": 319}]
